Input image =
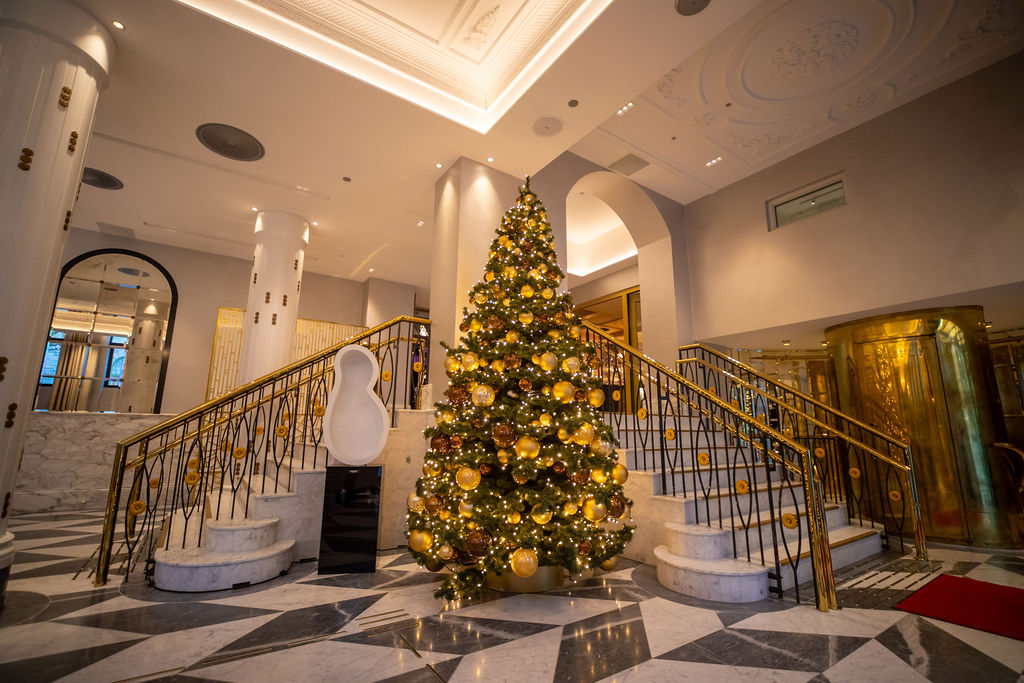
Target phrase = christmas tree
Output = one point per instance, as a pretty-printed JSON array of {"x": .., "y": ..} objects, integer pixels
[{"x": 521, "y": 470}]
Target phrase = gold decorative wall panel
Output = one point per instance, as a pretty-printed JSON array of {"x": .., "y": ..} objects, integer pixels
[{"x": 310, "y": 336}]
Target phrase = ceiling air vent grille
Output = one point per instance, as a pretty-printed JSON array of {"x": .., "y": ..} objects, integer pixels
[
  {"x": 230, "y": 142},
  {"x": 629, "y": 164},
  {"x": 100, "y": 179}
]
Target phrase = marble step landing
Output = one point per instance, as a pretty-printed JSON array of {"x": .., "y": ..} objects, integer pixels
[{"x": 192, "y": 570}]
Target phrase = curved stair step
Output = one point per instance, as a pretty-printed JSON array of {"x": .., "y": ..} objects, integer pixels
[
  {"x": 199, "y": 569},
  {"x": 240, "y": 535},
  {"x": 724, "y": 580}
]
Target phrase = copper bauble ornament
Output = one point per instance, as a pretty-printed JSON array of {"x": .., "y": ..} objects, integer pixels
[
  {"x": 483, "y": 395},
  {"x": 520, "y": 477},
  {"x": 495, "y": 322},
  {"x": 486, "y": 468},
  {"x": 504, "y": 435},
  {"x": 478, "y": 541},
  {"x": 458, "y": 395},
  {"x": 558, "y": 468},
  {"x": 548, "y": 361},
  {"x": 434, "y": 504},
  {"x": 539, "y": 515},
  {"x": 463, "y": 327},
  {"x": 579, "y": 477},
  {"x": 446, "y": 552},
  {"x": 441, "y": 443},
  {"x": 616, "y": 506},
  {"x": 610, "y": 564},
  {"x": 595, "y": 397},
  {"x": 620, "y": 474},
  {"x": 433, "y": 565},
  {"x": 456, "y": 442},
  {"x": 415, "y": 502},
  {"x": 420, "y": 540},
  {"x": 523, "y": 562},
  {"x": 467, "y": 478},
  {"x": 512, "y": 360},
  {"x": 578, "y": 395},
  {"x": 527, "y": 447},
  {"x": 563, "y": 391},
  {"x": 584, "y": 547},
  {"x": 593, "y": 510},
  {"x": 525, "y": 384}
]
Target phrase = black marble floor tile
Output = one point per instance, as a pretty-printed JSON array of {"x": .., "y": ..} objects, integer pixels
[
  {"x": 602, "y": 645},
  {"x": 298, "y": 624},
  {"x": 939, "y": 656},
  {"x": 25, "y": 556},
  {"x": 165, "y": 618},
  {"x": 604, "y": 589},
  {"x": 72, "y": 602},
  {"x": 21, "y": 606},
  {"x": 183, "y": 678},
  {"x": 768, "y": 649},
  {"x": 52, "y": 667},
  {"x": 34, "y": 534},
  {"x": 63, "y": 567},
  {"x": 400, "y": 559},
  {"x": 450, "y": 634},
  {"x": 961, "y": 568},
  {"x": 82, "y": 538},
  {"x": 430, "y": 673},
  {"x": 385, "y": 579},
  {"x": 1012, "y": 564}
]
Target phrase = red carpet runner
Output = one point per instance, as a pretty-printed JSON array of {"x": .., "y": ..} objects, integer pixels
[{"x": 978, "y": 604}]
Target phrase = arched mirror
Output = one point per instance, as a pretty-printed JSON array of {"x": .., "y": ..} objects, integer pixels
[{"x": 110, "y": 334}]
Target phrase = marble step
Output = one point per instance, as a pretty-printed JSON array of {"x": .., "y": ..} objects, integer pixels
[
  {"x": 688, "y": 479},
  {"x": 848, "y": 544},
  {"x": 240, "y": 535},
  {"x": 700, "y": 507},
  {"x": 199, "y": 569}
]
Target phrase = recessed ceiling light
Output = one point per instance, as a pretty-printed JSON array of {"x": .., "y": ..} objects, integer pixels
[
  {"x": 255, "y": 209},
  {"x": 439, "y": 165},
  {"x": 786, "y": 342},
  {"x": 372, "y": 269},
  {"x": 302, "y": 188},
  {"x": 315, "y": 223},
  {"x": 419, "y": 224},
  {"x": 622, "y": 110},
  {"x": 117, "y": 24},
  {"x": 490, "y": 159},
  {"x": 824, "y": 343},
  {"x": 713, "y": 162}
]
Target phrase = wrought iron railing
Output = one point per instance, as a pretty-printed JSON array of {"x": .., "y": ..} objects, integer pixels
[
  {"x": 204, "y": 463},
  {"x": 737, "y": 472},
  {"x": 868, "y": 470}
]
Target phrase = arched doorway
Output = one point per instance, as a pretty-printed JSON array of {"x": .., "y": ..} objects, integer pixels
[{"x": 110, "y": 335}]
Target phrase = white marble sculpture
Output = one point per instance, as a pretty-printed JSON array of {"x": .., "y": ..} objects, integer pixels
[{"x": 356, "y": 422}]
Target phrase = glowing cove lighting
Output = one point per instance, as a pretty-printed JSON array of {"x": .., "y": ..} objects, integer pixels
[{"x": 491, "y": 57}]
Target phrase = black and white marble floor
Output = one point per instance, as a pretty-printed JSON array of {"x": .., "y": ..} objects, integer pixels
[{"x": 621, "y": 626}]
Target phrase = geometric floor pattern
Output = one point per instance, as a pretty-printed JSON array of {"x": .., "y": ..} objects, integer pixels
[{"x": 387, "y": 626}]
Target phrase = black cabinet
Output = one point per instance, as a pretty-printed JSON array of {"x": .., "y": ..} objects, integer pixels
[{"x": 348, "y": 536}]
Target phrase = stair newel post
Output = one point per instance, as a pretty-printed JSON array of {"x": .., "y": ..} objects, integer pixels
[
  {"x": 920, "y": 545},
  {"x": 821, "y": 559},
  {"x": 110, "y": 516},
  {"x": 776, "y": 575}
]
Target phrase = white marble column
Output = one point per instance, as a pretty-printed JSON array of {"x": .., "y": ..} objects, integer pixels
[
  {"x": 55, "y": 59},
  {"x": 274, "y": 288}
]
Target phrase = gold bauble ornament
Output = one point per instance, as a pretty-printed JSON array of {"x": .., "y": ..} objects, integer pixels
[
  {"x": 574, "y": 331},
  {"x": 470, "y": 362},
  {"x": 445, "y": 416},
  {"x": 595, "y": 397},
  {"x": 523, "y": 562},
  {"x": 420, "y": 540},
  {"x": 527, "y": 447},
  {"x": 506, "y": 302},
  {"x": 483, "y": 395},
  {"x": 526, "y": 290},
  {"x": 466, "y": 508},
  {"x": 471, "y": 524},
  {"x": 539, "y": 515},
  {"x": 514, "y": 517},
  {"x": 548, "y": 361},
  {"x": 535, "y": 359},
  {"x": 555, "y": 334},
  {"x": 601, "y": 447},
  {"x": 444, "y": 513},
  {"x": 545, "y": 419},
  {"x": 509, "y": 272},
  {"x": 488, "y": 276},
  {"x": 599, "y": 476},
  {"x": 445, "y": 552},
  {"x": 498, "y": 365},
  {"x": 415, "y": 502},
  {"x": 610, "y": 564},
  {"x": 543, "y": 267},
  {"x": 620, "y": 474},
  {"x": 479, "y": 297},
  {"x": 570, "y": 509},
  {"x": 563, "y": 434},
  {"x": 431, "y": 468},
  {"x": 564, "y": 391},
  {"x": 546, "y": 390},
  {"x": 571, "y": 364},
  {"x": 467, "y": 478},
  {"x": 503, "y": 456},
  {"x": 526, "y": 317},
  {"x": 452, "y": 364},
  {"x": 511, "y": 336},
  {"x": 584, "y": 434},
  {"x": 547, "y": 292},
  {"x": 475, "y": 325},
  {"x": 534, "y": 273},
  {"x": 593, "y": 510}
]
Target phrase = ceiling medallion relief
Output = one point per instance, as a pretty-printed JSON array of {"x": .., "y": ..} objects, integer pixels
[
  {"x": 815, "y": 51},
  {"x": 1000, "y": 21}
]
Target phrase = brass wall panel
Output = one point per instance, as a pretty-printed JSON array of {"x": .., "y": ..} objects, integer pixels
[{"x": 926, "y": 378}]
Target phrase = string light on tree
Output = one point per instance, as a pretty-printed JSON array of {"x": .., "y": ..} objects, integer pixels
[{"x": 521, "y": 471}]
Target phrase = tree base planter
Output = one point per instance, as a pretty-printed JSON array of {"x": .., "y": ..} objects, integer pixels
[{"x": 544, "y": 579}]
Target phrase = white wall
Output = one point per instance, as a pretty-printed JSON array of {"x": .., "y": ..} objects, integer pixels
[
  {"x": 935, "y": 193},
  {"x": 205, "y": 282},
  {"x": 384, "y": 300},
  {"x": 607, "y": 284}
]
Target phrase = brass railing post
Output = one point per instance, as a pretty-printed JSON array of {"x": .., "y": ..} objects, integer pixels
[
  {"x": 920, "y": 544},
  {"x": 110, "y": 517},
  {"x": 821, "y": 557}
]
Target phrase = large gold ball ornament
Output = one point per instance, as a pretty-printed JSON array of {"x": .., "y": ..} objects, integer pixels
[
  {"x": 475, "y": 325},
  {"x": 535, "y": 274},
  {"x": 526, "y": 317},
  {"x": 547, "y": 293},
  {"x": 431, "y": 468},
  {"x": 483, "y": 395},
  {"x": 514, "y": 517},
  {"x": 509, "y": 272},
  {"x": 570, "y": 509},
  {"x": 488, "y": 276},
  {"x": 601, "y": 447},
  {"x": 446, "y": 552},
  {"x": 610, "y": 564},
  {"x": 470, "y": 362},
  {"x": 526, "y": 291},
  {"x": 574, "y": 331},
  {"x": 452, "y": 365},
  {"x": 564, "y": 391},
  {"x": 571, "y": 364},
  {"x": 563, "y": 435},
  {"x": 498, "y": 365},
  {"x": 523, "y": 562},
  {"x": 466, "y": 508},
  {"x": 415, "y": 502},
  {"x": 548, "y": 361},
  {"x": 467, "y": 478},
  {"x": 539, "y": 515},
  {"x": 479, "y": 297},
  {"x": 593, "y": 510},
  {"x": 545, "y": 419},
  {"x": 595, "y": 397},
  {"x": 420, "y": 540},
  {"x": 511, "y": 337},
  {"x": 584, "y": 434},
  {"x": 527, "y": 447},
  {"x": 599, "y": 476},
  {"x": 620, "y": 474}
]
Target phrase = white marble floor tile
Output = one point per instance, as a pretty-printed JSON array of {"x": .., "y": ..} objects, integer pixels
[
  {"x": 864, "y": 623},
  {"x": 992, "y": 574},
  {"x": 30, "y": 543},
  {"x": 59, "y": 584},
  {"x": 669, "y": 625},
  {"x": 1007, "y": 651},
  {"x": 47, "y": 638},
  {"x": 415, "y": 601},
  {"x": 83, "y": 550},
  {"x": 957, "y": 555},
  {"x": 328, "y": 661},
  {"x": 622, "y": 574},
  {"x": 542, "y": 609},
  {"x": 26, "y": 566},
  {"x": 117, "y": 604},
  {"x": 167, "y": 651},
  {"x": 873, "y": 662},
  {"x": 667, "y": 671},
  {"x": 294, "y": 596},
  {"x": 532, "y": 658}
]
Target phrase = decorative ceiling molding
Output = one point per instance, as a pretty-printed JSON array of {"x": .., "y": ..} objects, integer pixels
[{"x": 471, "y": 70}]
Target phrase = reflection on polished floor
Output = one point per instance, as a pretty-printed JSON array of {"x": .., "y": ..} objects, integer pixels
[{"x": 621, "y": 626}]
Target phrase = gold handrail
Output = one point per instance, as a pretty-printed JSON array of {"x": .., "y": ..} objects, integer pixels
[
  {"x": 817, "y": 530},
  {"x": 824, "y": 406}
]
